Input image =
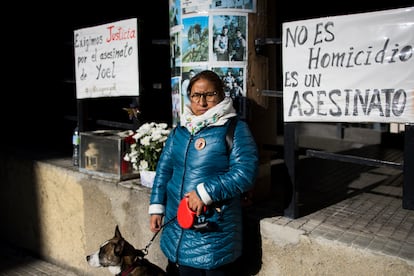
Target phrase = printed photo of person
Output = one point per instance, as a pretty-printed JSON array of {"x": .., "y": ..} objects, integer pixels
[
  {"x": 238, "y": 47},
  {"x": 234, "y": 87},
  {"x": 236, "y": 91},
  {"x": 240, "y": 77},
  {"x": 228, "y": 80},
  {"x": 221, "y": 44},
  {"x": 229, "y": 42},
  {"x": 195, "y": 39}
]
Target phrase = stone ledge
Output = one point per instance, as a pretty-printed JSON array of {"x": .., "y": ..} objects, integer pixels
[{"x": 279, "y": 234}]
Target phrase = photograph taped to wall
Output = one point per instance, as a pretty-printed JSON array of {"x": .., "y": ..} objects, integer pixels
[
  {"x": 229, "y": 37},
  {"x": 194, "y": 40},
  {"x": 233, "y": 78},
  {"x": 234, "y": 86}
]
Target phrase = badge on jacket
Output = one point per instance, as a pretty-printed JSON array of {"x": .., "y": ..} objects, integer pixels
[{"x": 200, "y": 143}]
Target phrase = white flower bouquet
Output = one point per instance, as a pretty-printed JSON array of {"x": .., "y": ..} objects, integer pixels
[{"x": 146, "y": 145}]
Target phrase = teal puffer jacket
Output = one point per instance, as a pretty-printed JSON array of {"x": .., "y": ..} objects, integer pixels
[{"x": 225, "y": 176}]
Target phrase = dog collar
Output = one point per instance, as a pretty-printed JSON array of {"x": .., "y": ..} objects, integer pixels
[{"x": 128, "y": 270}]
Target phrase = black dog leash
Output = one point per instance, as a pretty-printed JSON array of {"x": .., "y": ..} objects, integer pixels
[{"x": 145, "y": 250}]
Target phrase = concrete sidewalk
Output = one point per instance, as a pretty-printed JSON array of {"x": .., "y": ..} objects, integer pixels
[
  {"x": 17, "y": 262},
  {"x": 368, "y": 233}
]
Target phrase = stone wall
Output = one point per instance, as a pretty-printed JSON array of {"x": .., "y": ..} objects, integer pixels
[{"x": 63, "y": 215}]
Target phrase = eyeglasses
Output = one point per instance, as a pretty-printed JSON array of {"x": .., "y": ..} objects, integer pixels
[{"x": 209, "y": 96}]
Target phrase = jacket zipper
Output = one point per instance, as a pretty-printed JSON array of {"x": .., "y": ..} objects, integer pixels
[{"x": 181, "y": 193}]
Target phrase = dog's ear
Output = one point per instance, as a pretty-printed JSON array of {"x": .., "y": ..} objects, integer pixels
[
  {"x": 119, "y": 247},
  {"x": 117, "y": 232}
]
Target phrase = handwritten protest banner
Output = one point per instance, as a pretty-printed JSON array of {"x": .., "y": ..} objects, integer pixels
[
  {"x": 350, "y": 68},
  {"x": 106, "y": 60}
]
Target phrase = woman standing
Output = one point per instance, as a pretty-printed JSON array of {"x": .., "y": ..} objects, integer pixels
[{"x": 197, "y": 164}]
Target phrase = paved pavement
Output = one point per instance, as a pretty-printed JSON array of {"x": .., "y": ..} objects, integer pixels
[
  {"x": 17, "y": 262},
  {"x": 369, "y": 219}
]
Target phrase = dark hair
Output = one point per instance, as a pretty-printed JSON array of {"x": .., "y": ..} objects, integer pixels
[{"x": 211, "y": 77}]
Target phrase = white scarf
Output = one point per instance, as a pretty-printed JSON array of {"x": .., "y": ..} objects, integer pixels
[{"x": 215, "y": 116}]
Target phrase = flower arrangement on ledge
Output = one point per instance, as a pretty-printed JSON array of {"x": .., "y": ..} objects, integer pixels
[{"x": 146, "y": 144}]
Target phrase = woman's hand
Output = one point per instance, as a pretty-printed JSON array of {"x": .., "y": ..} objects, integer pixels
[
  {"x": 195, "y": 203},
  {"x": 155, "y": 223}
]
